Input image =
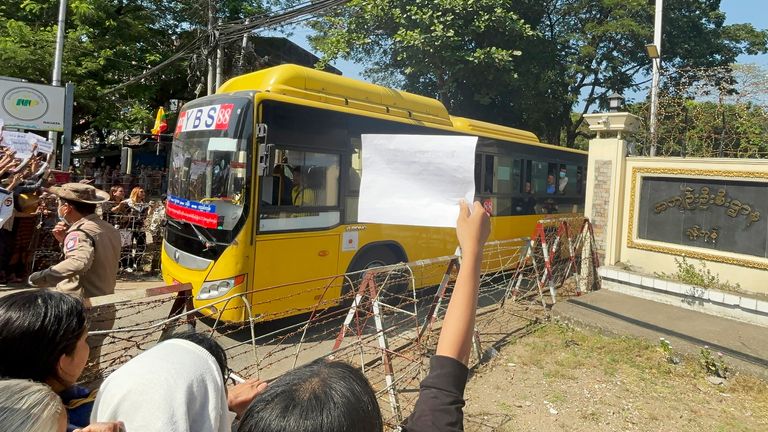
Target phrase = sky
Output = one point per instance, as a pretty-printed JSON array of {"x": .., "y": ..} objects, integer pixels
[
  {"x": 736, "y": 11},
  {"x": 747, "y": 11}
]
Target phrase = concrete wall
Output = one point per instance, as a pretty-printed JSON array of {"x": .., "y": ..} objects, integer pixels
[
  {"x": 613, "y": 196},
  {"x": 653, "y": 256}
]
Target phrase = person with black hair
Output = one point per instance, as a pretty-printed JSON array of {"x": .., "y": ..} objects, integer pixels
[
  {"x": 43, "y": 335},
  {"x": 177, "y": 385},
  {"x": 332, "y": 396},
  {"x": 322, "y": 396}
]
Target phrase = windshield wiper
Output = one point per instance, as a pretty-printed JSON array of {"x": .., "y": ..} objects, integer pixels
[
  {"x": 173, "y": 222},
  {"x": 207, "y": 242}
]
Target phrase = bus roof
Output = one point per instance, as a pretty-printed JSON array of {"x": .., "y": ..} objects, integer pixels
[
  {"x": 319, "y": 86},
  {"x": 477, "y": 126},
  {"x": 323, "y": 87}
]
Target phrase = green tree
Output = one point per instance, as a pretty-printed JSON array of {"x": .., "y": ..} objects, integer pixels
[
  {"x": 721, "y": 111},
  {"x": 527, "y": 63},
  {"x": 433, "y": 47},
  {"x": 106, "y": 43},
  {"x": 110, "y": 42}
]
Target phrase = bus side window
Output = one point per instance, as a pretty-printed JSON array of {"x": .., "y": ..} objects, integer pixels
[
  {"x": 572, "y": 186},
  {"x": 539, "y": 174},
  {"x": 489, "y": 186},
  {"x": 579, "y": 180},
  {"x": 304, "y": 192},
  {"x": 354, "y": 176},
  {"x": 356, "y": 168},
  {"x": 507, "y": 179}
]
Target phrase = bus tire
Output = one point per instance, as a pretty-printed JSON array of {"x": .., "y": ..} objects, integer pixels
[{"x": 377, "y": 256}]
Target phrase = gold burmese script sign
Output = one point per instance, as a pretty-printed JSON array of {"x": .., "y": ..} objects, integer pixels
[
  {"x": 703, "y": 200},
  {"x": 696, "y": 232},
  {"x": 723, "y": 215}
]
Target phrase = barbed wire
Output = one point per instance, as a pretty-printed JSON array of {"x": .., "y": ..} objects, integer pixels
[
  {"x": 382, "y": 323},
  {"x": 709, "y": 112}
]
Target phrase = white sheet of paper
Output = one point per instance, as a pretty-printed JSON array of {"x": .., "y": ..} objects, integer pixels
[
  {"x": 19, "y": 142},
  {"x": 43, "y": 145},
  {"x": 416, "y": 179}
]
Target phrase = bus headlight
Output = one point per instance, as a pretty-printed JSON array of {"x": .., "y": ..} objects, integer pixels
[{"x": 218, "y": 288}]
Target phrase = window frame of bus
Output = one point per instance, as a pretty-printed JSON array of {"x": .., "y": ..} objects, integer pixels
[
  {"x": 482, "y": 170},
  {"x": 298, "y": 213},
  {"x": 324, "y": 143}
]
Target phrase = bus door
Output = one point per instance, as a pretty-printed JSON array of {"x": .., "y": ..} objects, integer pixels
[{"x": 297, "y": 249}]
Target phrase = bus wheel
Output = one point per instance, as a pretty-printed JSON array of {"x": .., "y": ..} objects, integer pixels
[{"x": 394, "y": 283}]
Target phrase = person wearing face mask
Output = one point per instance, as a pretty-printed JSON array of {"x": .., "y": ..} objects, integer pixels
[{"x": 91, "y": 249}]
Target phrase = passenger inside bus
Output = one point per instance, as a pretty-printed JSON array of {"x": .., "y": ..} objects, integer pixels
[
  {"x": 220, "y": 178},
  {"x": 283, "y": 179},
  {"x": 304, "y": 192},
  {"x": 551, "y": 184},
  {"x": 526, "y": 205}
]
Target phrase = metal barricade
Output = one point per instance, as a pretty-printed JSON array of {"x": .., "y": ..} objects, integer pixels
[
  {"x": 46, "y": 250},
  {"x": 141, "y": 240}
]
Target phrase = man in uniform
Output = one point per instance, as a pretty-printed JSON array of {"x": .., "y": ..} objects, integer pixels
[{"x": 91, "y": 255}]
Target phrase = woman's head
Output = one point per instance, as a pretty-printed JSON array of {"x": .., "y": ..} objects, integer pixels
[
  {"x": 137, "y": 194},
  {"x": 322, "y": 396},
  {"x": 46, "y": 332},
  {"x": 181, "y": 379},
  {"x": 116, "y": 193},
  {"x": 29, "y": 406}
]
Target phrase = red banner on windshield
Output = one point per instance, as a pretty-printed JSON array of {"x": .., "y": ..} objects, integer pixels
[{"x": 197, "y": 217}]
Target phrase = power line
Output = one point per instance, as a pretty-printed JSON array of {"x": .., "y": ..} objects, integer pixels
[
  {"x": 165, "y": 63},
  {"x": 234, "y": 30}
]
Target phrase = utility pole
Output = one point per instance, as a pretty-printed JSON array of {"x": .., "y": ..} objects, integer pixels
[
  {"x": 219, "y": 63},
  {"x": 211, "y": 44},
  {"x": 243, "y": 48},
  {"x": 655, "y": 83},
  {"x": 56, "y": 76}
]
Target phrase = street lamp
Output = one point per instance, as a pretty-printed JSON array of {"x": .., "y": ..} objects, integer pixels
[
  {"x": 654, "y": 52},
  {"x": 615, "y": 102}
]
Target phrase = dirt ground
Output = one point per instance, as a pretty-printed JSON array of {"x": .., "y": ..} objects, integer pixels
[{"x": 558, "y": 378}]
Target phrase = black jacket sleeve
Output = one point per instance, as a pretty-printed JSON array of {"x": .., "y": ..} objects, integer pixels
[{"x": 441, "y": 398}]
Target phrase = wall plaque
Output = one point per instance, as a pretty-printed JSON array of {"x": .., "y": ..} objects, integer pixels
[{"x": 722, "y": 215}]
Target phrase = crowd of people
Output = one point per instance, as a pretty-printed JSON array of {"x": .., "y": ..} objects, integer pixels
[
  {"x": 103, "y": 176},
  {"x": 21, "y": 182},
  {"x": 28, "y": 213},
  {"x": 180, "y": 383}
]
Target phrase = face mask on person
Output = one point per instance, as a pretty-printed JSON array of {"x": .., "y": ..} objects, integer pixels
[
  {"x": 61, "y": 216},
  {"x": 562, "y": 174}
]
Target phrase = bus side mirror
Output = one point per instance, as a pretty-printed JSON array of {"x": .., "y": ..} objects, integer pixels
[{"x": 266, "y": 153}]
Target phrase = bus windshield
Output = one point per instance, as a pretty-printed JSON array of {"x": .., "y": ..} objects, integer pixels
[{"x": 210, "y": 165}]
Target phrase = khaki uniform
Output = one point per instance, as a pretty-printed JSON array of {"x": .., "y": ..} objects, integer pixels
[{"x": 88, "y": 269}]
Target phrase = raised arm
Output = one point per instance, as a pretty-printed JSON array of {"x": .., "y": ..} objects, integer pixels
[{"x": 472, "y": 230}]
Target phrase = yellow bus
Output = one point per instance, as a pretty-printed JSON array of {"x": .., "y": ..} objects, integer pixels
[{"x": 264, "y": 181}]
